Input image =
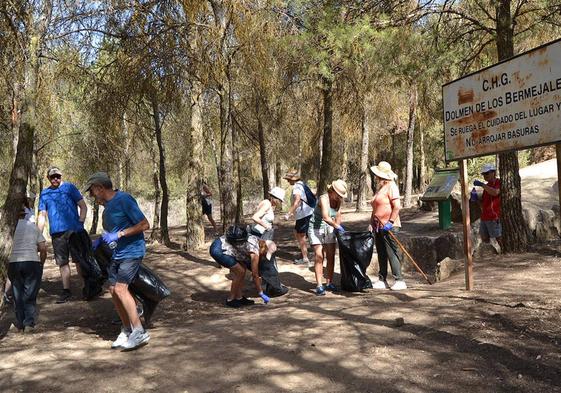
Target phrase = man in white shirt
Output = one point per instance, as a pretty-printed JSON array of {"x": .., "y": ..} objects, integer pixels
[
  {"x": 25, "y": 269},
  {"x": 302, "y": 213}
]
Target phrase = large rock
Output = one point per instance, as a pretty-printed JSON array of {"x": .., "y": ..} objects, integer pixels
[
  {"x": 446, "y": 267},
  {"x": 543, "y": 224},
  {"x": 474, "y": 208}
]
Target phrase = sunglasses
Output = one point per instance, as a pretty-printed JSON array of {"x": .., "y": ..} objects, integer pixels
[{"x": 55, "y": 177}]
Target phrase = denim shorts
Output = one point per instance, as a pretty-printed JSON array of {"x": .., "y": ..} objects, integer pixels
[
  {"x": 323, "y": 235},
  {"x": 490, "y": 229},
  {"x": 224, "y": 260},
  {"x": 123, "y": 271}
]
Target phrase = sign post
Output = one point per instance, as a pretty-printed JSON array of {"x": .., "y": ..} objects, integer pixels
[{"x": 512, "y": 105}]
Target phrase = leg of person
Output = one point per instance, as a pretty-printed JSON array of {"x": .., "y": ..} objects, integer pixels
[
  {"x": 300, "y": 230},
  {"x": 126, "y": 273},
  {"x": 237, "y": 270},
  {"x": 484, "y": 231},
  {"x": 125, "y": 322},
  {"x": 382, "y": 261},
  {"x": 33, "y": 274},
  {"x": 62, "y": 253},
  {"x": 213, "y": 223},
  {"x": 318, "y": 268},
  {"x": 494, "y": 229},
  {"x": 395, "y": 263},
  {"x": 330, "y": 256},
  {"x": 14, "y": 273}
]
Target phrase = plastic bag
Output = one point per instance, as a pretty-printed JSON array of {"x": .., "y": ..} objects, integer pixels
[
  {"x": 81, "y": 250},
  {"x": 355, "y": 253},
  {"x": 148, "y": 285},
  {"x": 270, "y": 281}
]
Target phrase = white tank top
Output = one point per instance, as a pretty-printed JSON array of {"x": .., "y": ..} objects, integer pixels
[{"x": 268, "y": 217}]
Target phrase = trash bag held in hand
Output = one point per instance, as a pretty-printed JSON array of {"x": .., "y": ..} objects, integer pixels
[
  {"x": 270, "y": 281},
  {"x": 355, "y": 253},
  {"x": 81, "y": 250},
  {"x": 148, "y": 285}
]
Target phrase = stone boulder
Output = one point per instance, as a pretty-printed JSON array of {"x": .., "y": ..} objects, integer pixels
[
  {"x": 474, "y": 208},
  {"x": 446, "y": 267}
]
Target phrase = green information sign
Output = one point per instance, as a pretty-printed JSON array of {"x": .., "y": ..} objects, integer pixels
[{"x": 442, "y": 184}]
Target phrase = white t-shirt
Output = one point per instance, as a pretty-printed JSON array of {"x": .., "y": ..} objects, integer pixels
[
  {"x": 304, "y": 210},
  {"x": 26, "y": 239}
]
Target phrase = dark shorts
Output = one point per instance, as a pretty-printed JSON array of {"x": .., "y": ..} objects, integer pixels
[
  {"x": 63, "y": 248},
  {"x": 207, "y": 207},
  {"x": 301, "y": 225},
  {"x": 123, "y": 271},
  {"x": 224, "y": 260},
  {"x": 490, "y": 229}
]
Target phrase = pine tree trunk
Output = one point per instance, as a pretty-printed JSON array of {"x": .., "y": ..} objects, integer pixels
[
  {"x": 95, "y": 218},
  {"x": 363, "y": 177},
  {"x": 156, "y": 232},
  {"x": 194, "y": 234},
  {"x": 163, "y": 179},
  {"x": 515, "y": 236},
  {"x": 262, "y": 151},
  {"x": 326, "y": 168},
  {"x": 228, "y": 199},
  {"x": 422, "y": 161},
  {"x": 410, "y": 143}
]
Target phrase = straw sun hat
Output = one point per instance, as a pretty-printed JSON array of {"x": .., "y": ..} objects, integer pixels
[
  {"x": 340, "y": 187},
  {"x": 383, "y": 170},
  {"x": 292, "y": 175}
]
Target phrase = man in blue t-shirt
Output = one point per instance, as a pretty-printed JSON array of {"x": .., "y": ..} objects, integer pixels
[
  {"x": 60, "y": 203},
  {"x": 124, "y": 225}
]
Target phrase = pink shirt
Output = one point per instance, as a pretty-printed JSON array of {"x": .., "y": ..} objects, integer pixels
[{"x": 382, "y": 204}]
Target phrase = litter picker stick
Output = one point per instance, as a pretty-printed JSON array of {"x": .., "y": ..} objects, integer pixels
[{"x": 409, "y": 255}]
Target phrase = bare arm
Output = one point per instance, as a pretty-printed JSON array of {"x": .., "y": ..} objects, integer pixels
[
  {"x": 83, "y": 210},
  {"x": 255, "y": 272},
  {"x": 492, "y": 191},
  {"x": 41, "y": 220},
  {"x": 136, "y": 229},
  {"x": 324, "y": 201},
  {"x": 261, "y": 210},
  {"x": 396, "y": 207},
  {"x": 42, "y": 248},
  {"x": 295, "y": 205}
]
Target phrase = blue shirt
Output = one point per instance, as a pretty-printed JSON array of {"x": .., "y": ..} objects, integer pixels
[
  {"x": 120, "y": 213},
  {"x": 61, "y": 205}
]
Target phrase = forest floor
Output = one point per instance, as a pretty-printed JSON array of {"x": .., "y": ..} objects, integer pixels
[{"x": 504, "y": 336}]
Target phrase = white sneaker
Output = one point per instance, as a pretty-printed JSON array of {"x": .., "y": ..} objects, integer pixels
[
  {"x": 136, "y": 339},
  {"x": 301, "y": 261},
  {"x": 399, "y": 285},
  {"x": 380, "y": 285},
  {"x": 122, "y": 338}
]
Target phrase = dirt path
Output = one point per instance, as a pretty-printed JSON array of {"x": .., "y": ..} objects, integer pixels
[{"x": 502, "y": 337}]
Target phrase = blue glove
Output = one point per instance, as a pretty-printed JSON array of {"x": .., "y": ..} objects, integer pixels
[
  {"x": 340, "y": 229},
  {"x": 96, "y": 243},
  {"x": 265, "y": 298},
  {"x": 110, "y": 237},
  {"x": 387, "y": 226},
  {"x": 478, "y": 183}
]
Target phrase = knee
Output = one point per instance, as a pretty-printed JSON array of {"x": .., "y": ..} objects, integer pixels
[{"x": 120, "y": 289}]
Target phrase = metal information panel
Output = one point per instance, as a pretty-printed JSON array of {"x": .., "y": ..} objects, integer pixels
[
  {"x": 512, "y": 105},
  {"x": 441, "y": 185}
]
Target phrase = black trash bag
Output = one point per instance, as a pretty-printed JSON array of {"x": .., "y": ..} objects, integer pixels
[
  {"x": 103, "y": 255},
  {"x": 355, "y": 253},
  {"x": 149, "y": 286},
  {"x": 270, "y": 281},
  {"x": 82, "y": 251}
]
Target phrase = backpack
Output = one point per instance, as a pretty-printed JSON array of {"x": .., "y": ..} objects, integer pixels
[{"x": 311, "y": 199}]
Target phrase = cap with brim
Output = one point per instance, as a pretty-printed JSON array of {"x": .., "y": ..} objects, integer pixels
[
  {"x": 96, "y": 178},
  {"x": 278, "y": 193},
  {"x": 488, "y": 168},
  {"x": 292, "y": 175},
  {"x": 384, "y": 171},
  {"x": 340, "y": 187},
  {"x": 54, "y": 171}
]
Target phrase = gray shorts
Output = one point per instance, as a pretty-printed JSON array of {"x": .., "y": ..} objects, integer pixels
[
  {"x": 490, "y": 229},
  {"x": 123, "y": 271},
  {"x": 323, "y": 235}
]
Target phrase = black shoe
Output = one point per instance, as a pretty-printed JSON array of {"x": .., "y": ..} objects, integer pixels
[
  {"x": 246, "y": 302},
  {"x": 64, "y": 297},
  {"x": 234, "y": 303}
]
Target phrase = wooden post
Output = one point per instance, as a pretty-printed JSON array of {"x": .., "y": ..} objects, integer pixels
[
  {"x": 558, "y": 153},
  {"x": 466, "y": 225}
]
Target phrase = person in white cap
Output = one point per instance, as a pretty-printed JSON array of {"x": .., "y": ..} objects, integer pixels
[
  {"x": 60, "y": 203},
  {"x": 490, "y": 224},
  {"x": 326, "y": 219},
  {"x": 264, "y": 217},
  {"x": 385, "y": 218}
]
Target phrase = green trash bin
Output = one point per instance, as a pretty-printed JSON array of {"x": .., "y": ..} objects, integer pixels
[{"x": 444, "y": 214}]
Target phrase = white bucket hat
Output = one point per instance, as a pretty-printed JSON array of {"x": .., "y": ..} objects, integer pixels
[
  {"x": 383, "y": 170},
  {"x": 278, "y": 193},
  {"x": 488, "y": 168},
  {"x": 340, "y": 187}
]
